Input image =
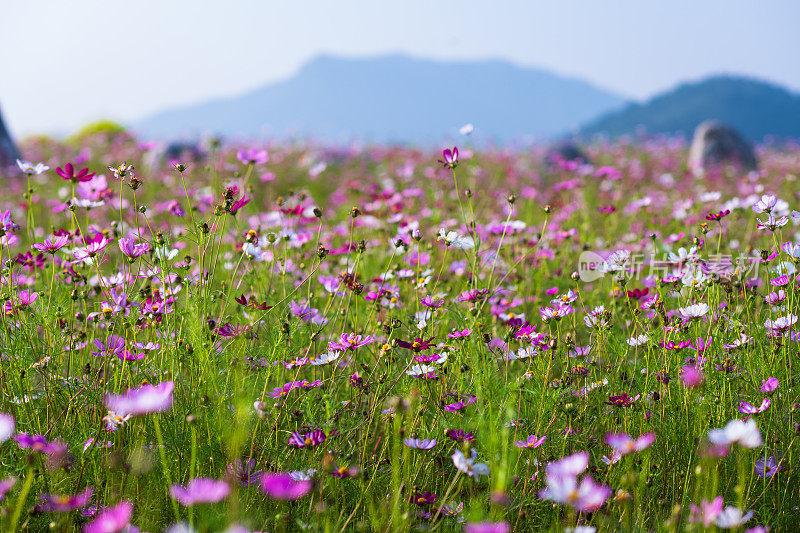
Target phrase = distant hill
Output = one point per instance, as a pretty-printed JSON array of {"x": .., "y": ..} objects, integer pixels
[
  {"x": 753, "y": 107},
  {"x": 396, "y": 99}
]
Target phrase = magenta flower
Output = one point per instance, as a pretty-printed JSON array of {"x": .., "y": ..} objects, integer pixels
[
  {"x": 51, "y": 503},
  {"x": 68, "y": 173},
  {"x": 278, "y": 392},
  {"x": 111, "y": 520},
  {"x": 487, "y": 527},
  {"x": 450, "y": 158},
  {"x": 456, "y": 334},
  {"x": 624, "y": 444},
  {"x": 310, "y": 439},
  {"x": 144, "y": 400},
  {"x": 532, "y": 442},
  {"x": 769, "y": 385},
  {"x": 234, "y": 207},
  {"x": 427, "y": 301},
  {"x": 252, "y": 156},
  {"x": 350, "y": 341},
  {"x": 417, "y": 345},
  {"x": 37, "y": 443},
  {"x": 200, "y": 490},
  {"x": 419, "y": 444},
  {"x": 53, "y": 245},
  {"x": 114, "y": 345},
  {"x": 131, "y": 249},
  {"x": 692, "y": 376},
  {"x": 463, "y": 401},
  {"x": 282, "y": 487},
  {"x": 90, "y": 250},
  {"x": 423, "y": 498},
  {"x": 459, "y": 435},
  {"x": 748, "y": 409}
]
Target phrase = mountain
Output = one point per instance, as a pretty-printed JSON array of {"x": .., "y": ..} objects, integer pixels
[
  {"x": 396, "y": 99},
  {"x": 755, "y": 108}
]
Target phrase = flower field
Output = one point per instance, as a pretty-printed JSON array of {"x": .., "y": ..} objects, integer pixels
[{"x": 293, "y": 337}]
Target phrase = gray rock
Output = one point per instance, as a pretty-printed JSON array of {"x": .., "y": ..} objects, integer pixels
[
  {"x": 8, "y": 150},
  {"x": 715, "y": 144}
]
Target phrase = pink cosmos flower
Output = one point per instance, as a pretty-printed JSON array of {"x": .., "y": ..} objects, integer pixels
[
  {"x": 707, "y": 513},
  {"x": 281, "y": 486},
  {"x": 572, "y": 465},
  {"x": 310, "y": 439},
  {"x": 487, "y": 527},
  {"x": 692, "y": 376},
  {"x": 350, "y": 341},
  {"x": 456, "y": 334},
  {"x": 131, "y": 249},
  {"x": 624, "y": 444},
  {"x": 769, "y": 385},
  {"x": 144, "y": 400},
  {"x": 53, "y": 245},
  {"x": 278, "y": 392},
  {"x": 200, "y": 490},
  {"x": 111, "y": 520},
  {"x": 39, "y": 443},
  {"x": 748, "y": 409},
  {"x": 51, "y": 503},
  {"x": 532, "y": 442},
  {"x": 463, "y": 401},
  {"x": 252, "y": 156},
  {"x": 90, "y": 251},
  {"x": 419, "y": 444},
  {"x": 5, "y": 486}
]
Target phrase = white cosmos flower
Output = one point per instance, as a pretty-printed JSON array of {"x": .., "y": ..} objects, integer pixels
[
  {"x": 731, "y": 517},
  {"x": 420, "y": 370},
  {"x": 30, "y": 169},
  {"x": 6, "y": 427},
  {"x": 163, "y": 252},
  {"x": 638, "y": 341},
  {"x": 326, "y": 358},
  {"x": 455, "y": 240},
  {"x": 468, "y": 464},
  {"x": 745, "y": 434},
  {"x": 695, "y": 311}
]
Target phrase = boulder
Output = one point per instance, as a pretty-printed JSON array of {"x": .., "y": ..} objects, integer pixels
[
  {"x": 715, "y": 144},
  {"x": 8, "y": 150}
]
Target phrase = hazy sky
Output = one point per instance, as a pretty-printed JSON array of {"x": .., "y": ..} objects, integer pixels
[{"x": 65, "y": 62}]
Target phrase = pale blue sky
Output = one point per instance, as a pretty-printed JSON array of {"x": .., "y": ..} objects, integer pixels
[{"x": 67, "y": 62}]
